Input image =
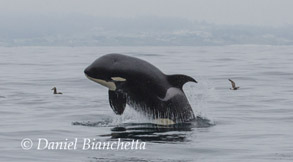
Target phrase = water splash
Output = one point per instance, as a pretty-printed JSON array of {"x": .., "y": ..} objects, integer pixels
[
  {"x": 138, "y": 126},
  {"x": 198, "y": 96}
]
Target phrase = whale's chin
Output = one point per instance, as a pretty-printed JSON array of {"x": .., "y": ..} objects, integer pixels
[{"x": 110, "y": 85}]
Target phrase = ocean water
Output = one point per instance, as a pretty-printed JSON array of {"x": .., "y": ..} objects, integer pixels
[{"x": 253, "y": 123}]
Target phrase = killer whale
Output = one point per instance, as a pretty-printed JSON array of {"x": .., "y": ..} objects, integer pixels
[{"x": 143, "y": 86}]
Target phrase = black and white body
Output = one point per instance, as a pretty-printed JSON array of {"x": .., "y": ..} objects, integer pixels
[
  {"x": 55, "y": 91},
  {"x": 144, "y": 87},
  {"x": 233, "y": 85}
]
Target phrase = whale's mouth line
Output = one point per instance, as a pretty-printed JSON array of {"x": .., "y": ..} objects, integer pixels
[{"x": 110, "y": 85}]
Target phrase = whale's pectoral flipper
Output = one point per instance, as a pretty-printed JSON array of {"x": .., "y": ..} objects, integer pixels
[
  {"x": 117, "y": 101},
  {"x": 179, "y": 80}
]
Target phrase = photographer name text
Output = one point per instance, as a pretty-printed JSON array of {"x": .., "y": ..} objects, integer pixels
[{"x": 83, "y": 144}]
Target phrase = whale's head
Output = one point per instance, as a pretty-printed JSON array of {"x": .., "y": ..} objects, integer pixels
[{"x": 106, "y": 71}]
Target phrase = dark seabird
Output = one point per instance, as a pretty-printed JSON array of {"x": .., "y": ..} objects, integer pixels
[
  {"x": 55, "y": 91},
  {"x": 233, "y": 85}
]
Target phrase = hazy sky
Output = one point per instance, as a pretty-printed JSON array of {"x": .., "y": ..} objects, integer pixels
[{"x": 253, "y": 12}]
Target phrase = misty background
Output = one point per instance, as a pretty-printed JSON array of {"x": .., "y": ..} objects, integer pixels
[{"x": 145, "y": 22}]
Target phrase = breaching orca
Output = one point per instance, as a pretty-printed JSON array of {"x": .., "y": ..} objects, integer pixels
[{"x": 144, "y": 87}]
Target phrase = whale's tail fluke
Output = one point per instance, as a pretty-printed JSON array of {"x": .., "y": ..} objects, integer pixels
[{"x": 178, "y": 80}]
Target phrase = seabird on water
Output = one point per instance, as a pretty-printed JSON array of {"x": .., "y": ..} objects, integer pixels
[{"x": 55, "y": 91}]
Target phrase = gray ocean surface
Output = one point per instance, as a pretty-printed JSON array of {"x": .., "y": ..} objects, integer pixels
[{"x": 253, "y": 123}]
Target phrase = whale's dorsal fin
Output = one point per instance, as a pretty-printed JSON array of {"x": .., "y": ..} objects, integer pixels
[
  {"x": 178, "y": 80},
  {"x": 117, "y": 101}
]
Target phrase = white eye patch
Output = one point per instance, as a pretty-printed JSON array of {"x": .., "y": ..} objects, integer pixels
[{"x": 118, "y": 79}]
